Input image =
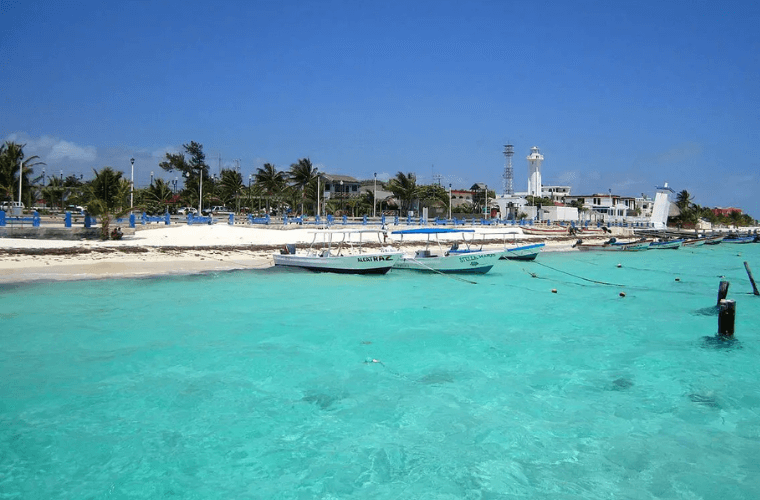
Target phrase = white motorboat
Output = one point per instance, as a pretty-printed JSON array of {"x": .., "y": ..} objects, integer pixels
[
  {"x": 470, "y": 262},
  {"x": 335, "y": 251},
  {"x": 514, "y": 252}
]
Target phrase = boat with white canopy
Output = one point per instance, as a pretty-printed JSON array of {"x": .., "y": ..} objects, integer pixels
[
  {"x": 442, "y": 261},
  {"x": 339, "y": 251}
]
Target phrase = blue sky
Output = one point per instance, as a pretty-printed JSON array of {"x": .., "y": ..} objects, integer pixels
[{"x": 619, "y": 96}]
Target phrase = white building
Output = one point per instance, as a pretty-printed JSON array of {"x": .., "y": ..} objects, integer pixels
[{"x": 535, "y": 158}]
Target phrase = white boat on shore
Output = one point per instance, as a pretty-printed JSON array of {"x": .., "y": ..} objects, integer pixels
[
  {"x": 469, "y": 262},
  {"x": 331, "y": 254}
]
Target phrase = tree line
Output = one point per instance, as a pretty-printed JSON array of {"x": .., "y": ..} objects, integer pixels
[{"x": 269, "y": 189}]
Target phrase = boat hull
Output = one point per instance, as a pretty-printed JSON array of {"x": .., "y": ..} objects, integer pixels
[
  {"x": 742, "y": 240},
  {"x": 366, "y": 263},
  {"x": 541, "y": 231},
  {"x": 456, "y": 263},
  {"x": 617, "y": 247},
  {"x": 527, "y": 252},
  {"x": 666, "y": 245}
]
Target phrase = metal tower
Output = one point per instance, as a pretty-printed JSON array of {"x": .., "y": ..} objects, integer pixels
[{"x": 508, "y": 184}]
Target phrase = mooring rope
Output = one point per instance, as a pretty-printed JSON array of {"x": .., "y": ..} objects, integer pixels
[
  {"x": 445, "y": 274},
  {"x": 579, "y": 277}
]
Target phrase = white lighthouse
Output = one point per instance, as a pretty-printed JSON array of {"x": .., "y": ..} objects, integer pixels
[{"x": 534, "y": 172}]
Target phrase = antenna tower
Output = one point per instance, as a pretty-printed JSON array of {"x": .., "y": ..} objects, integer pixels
[{"x": 508, "y": 185}]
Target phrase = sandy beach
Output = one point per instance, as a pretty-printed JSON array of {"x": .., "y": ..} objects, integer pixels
[{"x": 181, "y": 249}]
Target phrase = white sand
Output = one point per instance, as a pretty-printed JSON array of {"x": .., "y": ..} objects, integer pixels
[{"x": 182, "y": 249}]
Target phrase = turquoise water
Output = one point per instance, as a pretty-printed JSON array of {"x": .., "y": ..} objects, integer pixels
[{"x": 261, "y": 384}]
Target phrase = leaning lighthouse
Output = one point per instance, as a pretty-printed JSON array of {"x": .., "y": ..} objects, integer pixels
[{"x": 534, "y": 172}]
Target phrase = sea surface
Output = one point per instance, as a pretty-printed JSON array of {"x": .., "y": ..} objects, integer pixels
[{"x": 287, "y": 384}]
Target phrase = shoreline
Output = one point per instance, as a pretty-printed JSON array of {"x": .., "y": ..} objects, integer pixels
[{"x": 181, "y": 250}]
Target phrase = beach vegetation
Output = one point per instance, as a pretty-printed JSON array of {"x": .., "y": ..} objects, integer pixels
[
  {"x": 404, "y": 189},
  {"x": 535, "y": 201},
  {"x": 157, "y": 197},
  {"x": 11, "y": 156},
  {"x": 271, "y": 182},
  {"x": 300, "y": 176},
  {"x": 106, "y": 198},
  {"x": 229, "y": 188},
  {"x": 189, "y": 165}
]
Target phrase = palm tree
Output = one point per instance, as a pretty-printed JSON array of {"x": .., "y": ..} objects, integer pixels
[
  {"x": 230, "y": 186},
  {"x": 158, "y": 196},
  {"x": 404, "y": 189},
  {"x": 271, "y": 181},
  {"x": 684, "y": 200},
  {"x": 11, "y": 156},
  {"x": 301, "y": 174},
  {"x": 106, "y": 193}
]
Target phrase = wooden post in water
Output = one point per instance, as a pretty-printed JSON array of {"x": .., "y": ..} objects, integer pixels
[
  {"x": 722, "y": 291},
  {"x": 751, "y": 279},
  {"x": 726, "y": 317}
]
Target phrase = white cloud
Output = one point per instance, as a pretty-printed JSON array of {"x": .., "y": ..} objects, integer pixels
[
  {"x": 52, "y": 148},
  {"x": 680, "y": 153},
  {"x": 65, "y": 149}
]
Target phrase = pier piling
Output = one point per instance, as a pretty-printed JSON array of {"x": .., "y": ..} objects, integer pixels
[
  {"x": 726, "y": 318},
  {"x": 722, "y": 291},
  {"x": 751, "y": 279}
]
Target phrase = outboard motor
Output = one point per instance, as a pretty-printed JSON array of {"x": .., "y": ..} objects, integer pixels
[
  {"x": 612, "y": 240},
  {"x": 579, "y": 242}
]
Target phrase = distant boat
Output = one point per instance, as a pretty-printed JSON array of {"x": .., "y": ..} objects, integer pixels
[
  {"x": 739, "y": 239},
  {"x": 591, "y": 230},
  {"x": 612, "y": 245},
  {"x": 715, "y": 240},
  {"x": 545, "y": 231},
  {"x": 697, "y": 242},
  {"x": 471, "y": 262},
  {"x": 525, "y": 252},
  {"x": 332, "y": 255},
  {"x": 666, "y": 245}
]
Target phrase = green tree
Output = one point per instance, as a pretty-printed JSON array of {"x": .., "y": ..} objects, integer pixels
[
  {"x": 157, "y": 197},
  {"x": 106, "y": 193},
  {"x": 300, "y": 175},
  {"x": 193, "y": 168},
  {"x": 404, "y": 189},
  {"x": 11, "y": 156},
  {"x": 229, "y": 188},
  {"x": 684, "y": 200},
  {"x": 271, "y": 182}
]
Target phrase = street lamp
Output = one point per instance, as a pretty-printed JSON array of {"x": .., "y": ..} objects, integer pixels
[
  {"x": 449, "y": 201},
  {"x": 341, "y": 195},
  {"x": 200, "y": 192},
  {"x": 374, "y": 198},
  {"x": 132, "y": 186},
  {"x": 20, "y": 176},
  {"x": 151, "y": 178},
  {"x": 485, "y": 206}
]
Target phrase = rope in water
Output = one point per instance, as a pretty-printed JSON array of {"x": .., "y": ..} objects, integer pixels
[
  {"x": 579, "y": 277},
  {"x": 444, "y": 274}
]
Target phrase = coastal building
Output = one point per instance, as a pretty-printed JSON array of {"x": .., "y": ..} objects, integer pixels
[
  {"x": 644, "y": 205},
  {"x": 555, "y": 193},
  {"x": 726, "y": 211},
  {"x": 336, "y": 186}
]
